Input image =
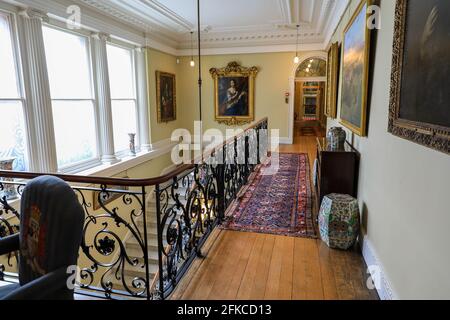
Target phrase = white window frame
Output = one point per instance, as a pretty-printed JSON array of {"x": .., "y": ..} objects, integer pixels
[
  {"x": 114, "y": 42},
  {"x": 86, "y": 164},
  {"x": 11, "y": 15},
  {"x": 31, "y": 121}
]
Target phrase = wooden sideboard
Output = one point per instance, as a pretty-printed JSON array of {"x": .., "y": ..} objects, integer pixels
[{"x": 336, "y": 170}]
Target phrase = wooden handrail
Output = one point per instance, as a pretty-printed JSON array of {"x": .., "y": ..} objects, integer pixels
[{"x": 119, "y": 181}]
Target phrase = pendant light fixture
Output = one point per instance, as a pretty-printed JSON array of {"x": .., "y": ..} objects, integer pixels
[
  {"x": 297, "y": 59},
  {"x": 192, "y": 63}
]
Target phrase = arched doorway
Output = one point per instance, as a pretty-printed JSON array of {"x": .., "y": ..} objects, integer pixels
[
  {"x": 309, "y": 98},
  {"x": 299, "y": 75}
]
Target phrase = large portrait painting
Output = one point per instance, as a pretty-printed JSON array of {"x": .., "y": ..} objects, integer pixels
[
  {"x": 332, "y": 81},
  {"x": 420, "y": 95},
  {"x": 234, "y": 94},
  {"x": 166, "y": 97},
  {"x": 355, "y": 71}
]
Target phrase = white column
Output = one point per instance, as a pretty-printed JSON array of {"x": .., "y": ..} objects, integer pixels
[
  {"x": 142, "y": 99},
  {"x": 39, "y": 115},
  {"x": 103, "y": 97}
]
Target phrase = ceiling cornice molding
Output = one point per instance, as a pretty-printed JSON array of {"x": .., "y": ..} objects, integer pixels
[
  {"x": 254, "y": 49},
  {"x": 184, "y": 24},
  {"x": 216, "y": 40},
  {"x": 90, "y": 20},
  {"x": 111, "y": 10},
  {"x": 131, "y": 13}
]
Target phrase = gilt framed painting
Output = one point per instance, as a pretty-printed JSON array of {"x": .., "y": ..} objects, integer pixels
[
  {"x": 420, "y": 94},
  {"x": 166, "y": 97},
  {"x": 332, "y": 81},
  {"x": 355, "y": 71},
  {"x": 234, "y": 94}
]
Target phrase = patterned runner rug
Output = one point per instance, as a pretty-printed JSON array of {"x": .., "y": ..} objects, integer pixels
[{"x": 278, "y": 204}]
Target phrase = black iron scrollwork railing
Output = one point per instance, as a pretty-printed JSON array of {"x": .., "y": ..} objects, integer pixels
[{"x": 141, "y": 235}]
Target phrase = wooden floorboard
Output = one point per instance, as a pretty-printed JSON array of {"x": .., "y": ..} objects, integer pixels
[
  {"x": 248, "y": 266},
  {"x": 246, "y": 285},
  {"x": 234, "y": 282}
]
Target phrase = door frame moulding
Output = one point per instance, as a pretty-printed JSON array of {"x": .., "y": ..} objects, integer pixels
[{"x": 292, "y": 80}]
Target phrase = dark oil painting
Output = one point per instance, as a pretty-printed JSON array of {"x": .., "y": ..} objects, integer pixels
[{"x": 425, "y": 93}]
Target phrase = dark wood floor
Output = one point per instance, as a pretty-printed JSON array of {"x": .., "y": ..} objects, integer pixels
[{"x": 241, "y": 265}]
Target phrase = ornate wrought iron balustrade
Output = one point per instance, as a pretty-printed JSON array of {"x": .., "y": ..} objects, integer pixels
[{"x": 141, "y": 235}]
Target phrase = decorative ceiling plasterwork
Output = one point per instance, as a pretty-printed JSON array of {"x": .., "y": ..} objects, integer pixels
[
  {"x": 256, "y": 26},
  {"x": 169, "y": 26}
]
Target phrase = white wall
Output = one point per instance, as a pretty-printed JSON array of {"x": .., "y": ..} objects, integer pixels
[{"x": 404, "y": 189}]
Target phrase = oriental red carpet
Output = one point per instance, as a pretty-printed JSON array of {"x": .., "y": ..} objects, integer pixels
[{"x": 278, "y": 204}]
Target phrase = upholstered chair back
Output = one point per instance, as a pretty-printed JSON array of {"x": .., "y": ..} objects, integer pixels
[{"x": 50, "y": 228}]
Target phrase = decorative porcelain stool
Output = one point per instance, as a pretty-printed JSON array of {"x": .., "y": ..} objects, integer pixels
[{"x": 339, "y": 221}]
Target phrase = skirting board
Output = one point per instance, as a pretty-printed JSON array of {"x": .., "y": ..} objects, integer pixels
[{"x": 385, "y": 291}]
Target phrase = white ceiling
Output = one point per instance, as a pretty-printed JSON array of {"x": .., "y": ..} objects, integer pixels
[{"x": 228, "y": 24}]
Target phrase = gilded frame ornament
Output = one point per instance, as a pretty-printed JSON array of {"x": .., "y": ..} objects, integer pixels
[
  {"x": 360, "y": 130},
  {"x": 332, "y": 81},
  {"x": 234, "y": 69},
  {"x": 429, "y": 135},
  {"x": 161, "y": 117}
]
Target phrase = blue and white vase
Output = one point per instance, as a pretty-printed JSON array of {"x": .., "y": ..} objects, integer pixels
[
  {"x": 7, "y": 190},
  {"x": 336, "y": 138}
]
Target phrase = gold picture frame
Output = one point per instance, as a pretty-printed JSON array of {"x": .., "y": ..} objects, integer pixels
[
  {"x": 166, "y": 97},
  {"x": 425, "y": 133},
  {"x": 355, "y": 71},
  {"x": 234, "y": 94},
  {"x": 332, "y": 81}
]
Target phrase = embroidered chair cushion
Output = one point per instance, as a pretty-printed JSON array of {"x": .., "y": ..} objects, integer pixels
[{"x": 51, "y": 228}]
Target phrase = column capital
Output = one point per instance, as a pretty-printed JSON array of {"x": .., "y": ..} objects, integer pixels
[
  {"x": 100, "y": 36},
  {"x": 140, "y": 49},
  {"x": 34, "y": 14}
]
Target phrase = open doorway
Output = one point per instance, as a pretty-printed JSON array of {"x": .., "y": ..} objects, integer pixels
[{"x": 309, "y": 106}]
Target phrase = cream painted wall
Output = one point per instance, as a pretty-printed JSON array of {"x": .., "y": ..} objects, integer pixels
[
  {"x": 403, "y": 188},
  {"x": 271, "y": 84},
  {"x": 158, "y": 61}
]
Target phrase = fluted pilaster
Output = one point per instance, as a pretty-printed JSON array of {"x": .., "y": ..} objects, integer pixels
[
  {"x": 142, "y": 99},
  {"x": 103, "y": 94},
  {"x": 37, "y": 90}
]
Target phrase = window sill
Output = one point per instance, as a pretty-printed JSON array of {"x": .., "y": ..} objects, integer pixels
[{"x": 108, "y": 170}]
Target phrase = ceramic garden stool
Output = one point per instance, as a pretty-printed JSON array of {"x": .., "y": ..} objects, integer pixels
[{"x": 339, "y": 221}]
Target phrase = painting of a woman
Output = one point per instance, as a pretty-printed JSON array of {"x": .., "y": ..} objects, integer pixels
[{"x": 233, "y": 96}]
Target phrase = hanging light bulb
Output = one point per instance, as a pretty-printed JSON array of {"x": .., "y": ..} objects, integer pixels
[
  {"x": 297, "y": 59},
  {"x": 192, "y": 63}
]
